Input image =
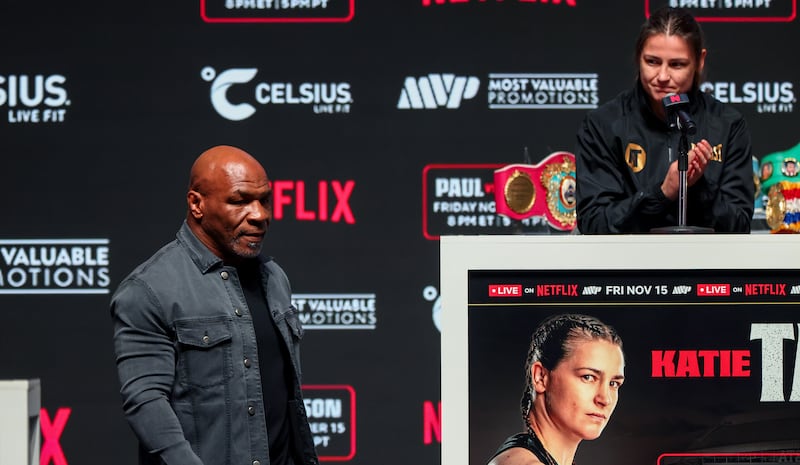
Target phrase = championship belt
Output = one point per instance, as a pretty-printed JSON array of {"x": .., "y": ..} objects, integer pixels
[
  {"x": 546, "y": 189},
  {"x": 783, "y": 207},
  {"x": 780, "y": 182}
]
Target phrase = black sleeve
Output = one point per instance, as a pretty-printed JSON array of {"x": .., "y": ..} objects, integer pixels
[{"x": 728, "y": 207}]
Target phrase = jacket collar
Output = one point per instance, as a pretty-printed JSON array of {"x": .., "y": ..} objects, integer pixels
[
  {"x": 198, "y": 252},
  {"x": 203, "y": 258}
]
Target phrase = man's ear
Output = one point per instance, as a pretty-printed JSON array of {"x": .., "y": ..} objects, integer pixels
[{"x": 194, "y": 201}]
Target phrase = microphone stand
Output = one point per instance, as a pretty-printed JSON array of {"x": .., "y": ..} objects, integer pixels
[{"x": 683, "y": 168}]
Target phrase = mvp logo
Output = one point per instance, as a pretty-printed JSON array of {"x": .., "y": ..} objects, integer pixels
[{"x": 437, "y": 90}]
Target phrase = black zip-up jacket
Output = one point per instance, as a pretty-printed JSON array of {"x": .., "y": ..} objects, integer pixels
[{"x": 623, "y": 154}]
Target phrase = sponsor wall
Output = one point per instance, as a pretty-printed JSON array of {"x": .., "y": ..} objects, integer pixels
[{"x": 380, "y": 123}]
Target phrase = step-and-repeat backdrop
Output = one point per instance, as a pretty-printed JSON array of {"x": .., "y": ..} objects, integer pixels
[{"x": 380, "y": 122}]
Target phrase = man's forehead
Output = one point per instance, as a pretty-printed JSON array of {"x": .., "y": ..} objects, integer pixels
[
  {"x": 235, "y": 173},
  {"x": 250, "y": 186},
  {"x": 242, "y": 169}
]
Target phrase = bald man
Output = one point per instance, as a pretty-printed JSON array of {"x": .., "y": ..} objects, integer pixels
[{"x": 207, "y": 341}]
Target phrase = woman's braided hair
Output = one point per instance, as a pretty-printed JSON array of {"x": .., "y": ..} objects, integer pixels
[{"x": 553, "y": 340}]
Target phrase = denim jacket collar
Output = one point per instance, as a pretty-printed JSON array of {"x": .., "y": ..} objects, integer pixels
[{"x": 203, "y": 258}]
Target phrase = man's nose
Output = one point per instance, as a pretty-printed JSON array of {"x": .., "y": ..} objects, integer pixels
[{"x": 260, "y": 212}]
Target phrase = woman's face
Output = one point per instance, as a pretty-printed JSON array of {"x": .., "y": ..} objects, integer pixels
[
  {"x": 667, "y": 65},
  {"x": 582, "y": 390}
]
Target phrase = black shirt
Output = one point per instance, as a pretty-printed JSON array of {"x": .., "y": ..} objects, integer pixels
[
  {"x": 530, "y": 442},
  {"x": 273, "y": 363}
]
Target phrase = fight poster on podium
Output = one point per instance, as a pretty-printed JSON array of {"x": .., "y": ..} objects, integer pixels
[{"x": 710, "y": 341}]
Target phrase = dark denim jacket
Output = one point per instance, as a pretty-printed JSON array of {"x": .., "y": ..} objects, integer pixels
[{"x": 182, "y": 331}]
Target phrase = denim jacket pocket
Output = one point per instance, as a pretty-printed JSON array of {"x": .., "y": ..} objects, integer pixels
[
  {"x": 296, "y": 325},
  {"x": 291, "y": 319},
  {"x": 204, "y": 351}
]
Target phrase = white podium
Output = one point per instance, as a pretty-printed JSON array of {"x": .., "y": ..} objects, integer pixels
[
  {"x": 667, "y": 294},
  {"x": 20, "y": 402}
]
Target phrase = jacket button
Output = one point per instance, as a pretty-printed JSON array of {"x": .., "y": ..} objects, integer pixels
[
  {"x": 224, "y": 275},
  {"x": 238, "y": 312},
  {"x": 206, "y": 339},
  {"x": 251, "y": 410},
  {"x": 256, "y": 462},
  {"x": 247, "y": 363}
]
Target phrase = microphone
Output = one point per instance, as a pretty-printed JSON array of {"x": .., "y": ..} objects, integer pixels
[{"x": 677, "y": 117}]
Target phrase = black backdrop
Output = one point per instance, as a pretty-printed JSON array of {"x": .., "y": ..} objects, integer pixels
[{"x": 123, "y": 96}]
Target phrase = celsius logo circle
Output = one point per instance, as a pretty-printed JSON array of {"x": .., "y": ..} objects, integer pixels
[
  {"x": 219, "y": 89},
  {"x": 431, "y": 294},
  {"x": 208, "y": 73}
]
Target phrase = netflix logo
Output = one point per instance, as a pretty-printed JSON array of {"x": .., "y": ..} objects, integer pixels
[
  {"x": 323, "y": 201},
  {"x": 505, "y": 290},
  {"x": 545, "y": 290},
  {"x": 764, "y": 289},
  {"x": 713, "y": 290}
]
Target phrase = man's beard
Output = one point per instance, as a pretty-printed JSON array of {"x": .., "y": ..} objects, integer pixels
[{"x": 247, "y": 249}]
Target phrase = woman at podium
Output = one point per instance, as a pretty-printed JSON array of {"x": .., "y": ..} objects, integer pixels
[{"x": 627, "y": 172}]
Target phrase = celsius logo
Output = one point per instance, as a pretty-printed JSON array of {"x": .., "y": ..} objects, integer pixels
[
  {"x": 328, "y": 97},
  {"x": 769, "y": 97},
  {"x": 26, "y": 95},
  {"x": 436, "y": 91},
  {"x": 219, "y": 92}
]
